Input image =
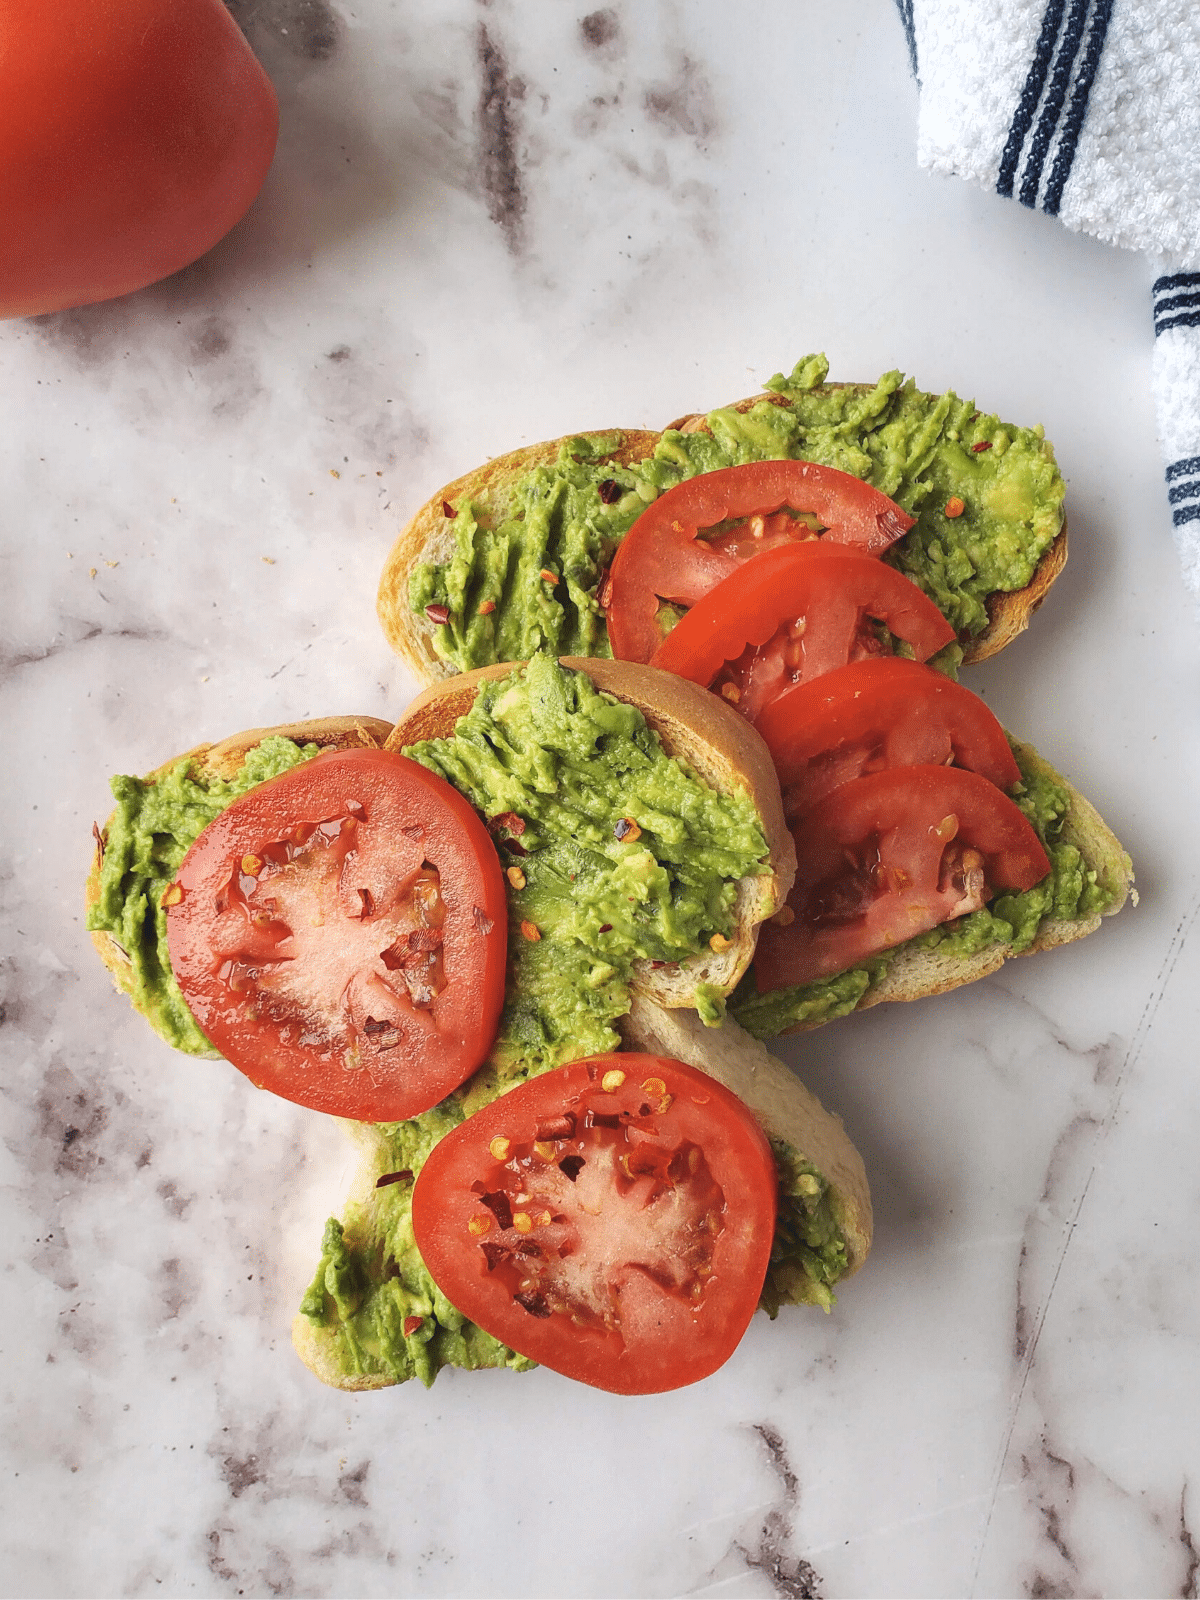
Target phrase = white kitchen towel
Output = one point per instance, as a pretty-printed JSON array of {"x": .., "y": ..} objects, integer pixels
[{"x": 1088, "y": 110}]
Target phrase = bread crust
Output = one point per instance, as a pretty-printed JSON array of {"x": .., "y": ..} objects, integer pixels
[
  {"x": 699, "y": 728},
  {"x": 428, "y": 537},
  {"x": 915, "y": 974},
  {"x": 222, "y": 760}
]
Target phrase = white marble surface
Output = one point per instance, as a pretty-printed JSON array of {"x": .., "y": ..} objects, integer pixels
[{"x": 488, "y": 224}]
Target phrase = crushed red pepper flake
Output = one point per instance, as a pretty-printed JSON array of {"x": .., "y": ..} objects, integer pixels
[
  {"x": 611, "y": 491},
  {"x": 984, "y": 444},
  {"x": 411, "y": 1324},
  {"x": 403, "y": 1176},
  {"x": 438, "y": 614},
  {"x": 447, "y": 509}
]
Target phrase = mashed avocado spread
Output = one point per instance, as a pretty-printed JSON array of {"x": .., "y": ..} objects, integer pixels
[
  {"x": 538, "y": 554},
  {"x": 1072, "y": 891}
]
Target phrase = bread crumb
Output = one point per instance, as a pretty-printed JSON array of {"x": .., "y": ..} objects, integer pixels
[
  {"x": 112, "y": 563},
  {"x": 334, "y": 473},
  {"x": 270, "y": 560},
  {"x": 91, "y": 572}
]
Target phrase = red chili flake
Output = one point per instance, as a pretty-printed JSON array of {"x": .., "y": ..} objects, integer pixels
[
  {"x": 356, "y": 809},
  {"x": 604, "y": 592},
  {"x": 611, "y": 491},
  {"x": 984, "y": 444},
  {"x": 404, "y": 1176},
  {"x": 368, "y": 904},
  {"x": 548, "y": 577},
  {"x": 100, "y": 841},
  {"x": 447, "y": 509},
  {"x": 483, "y": 922},
  {"x": 499, "y": 1206},
  {"x": 535, "y": 1304},
  {"x": 606, "y": 928},
  {"x": 370, "y": 1026},
  {"x": 507, "y": 822},
  {"x": 494, "y": 1253},
  {"x": 604, "y": 1119},
  {"x": 439, "y": 614},
  {"x": 411, "y": 1324},
  {"x": 415, "y": 832},
  {"x": 571, "y": 1166}
]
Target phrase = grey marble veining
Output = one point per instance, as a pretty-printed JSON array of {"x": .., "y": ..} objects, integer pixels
[{"x": 490, "y": 224}]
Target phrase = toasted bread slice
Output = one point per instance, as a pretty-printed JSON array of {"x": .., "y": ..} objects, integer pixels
[
  {"x": 223, "y": 760},
  {"x": 1008, "y": 612},
  {"x": 698, "y": 728},
  {"x": 789, "y": 1113},
  {"x": 790, "y": 1116},
  {"x": 913, "y": 973},
  {"x": 430, "y": 537}
]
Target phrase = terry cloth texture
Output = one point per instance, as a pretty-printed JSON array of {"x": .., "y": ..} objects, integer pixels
[{"x": 1088, "y": 110}]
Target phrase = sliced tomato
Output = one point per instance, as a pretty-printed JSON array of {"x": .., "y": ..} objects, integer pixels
[
  {"x": 662, "y": 557},
  {"x": 793, "y": 614},
  {"x": 340, "y": 934},
  {"x": 891, "y": 855},
  {"x": 872, "y": 715},
  {"x": 611, "y": 1219}
]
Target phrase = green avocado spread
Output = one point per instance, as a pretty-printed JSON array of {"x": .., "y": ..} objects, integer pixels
[
  {"x": 1071, "y": 891},
  {"x": 535, "y": 557},
  {"x": 154, "y": 825}
]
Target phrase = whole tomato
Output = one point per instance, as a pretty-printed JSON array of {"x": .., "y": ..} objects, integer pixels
[{"x": 133, "y": 135}]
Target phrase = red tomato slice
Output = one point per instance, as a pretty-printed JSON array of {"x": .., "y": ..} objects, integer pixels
[
  {"x": 661, "y": 558},
  {"x": 133, "y": 135},
  {"x": 872, "y": 715},
  {"x": 341, "y": 935},
  {"x": 611, "y": 1219},
  {"x": 792, "y": 614},
  {"x": 891, "y": 855}
]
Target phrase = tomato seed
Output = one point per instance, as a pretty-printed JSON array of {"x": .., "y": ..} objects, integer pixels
[
  {"x": 479, "y": 1225},
  {"x": 612, "y": 1080},
  {"x": 500, "y": 1148},
  {"x": 522, "y": 1222},
  {"x": 654, "y": 1086}
]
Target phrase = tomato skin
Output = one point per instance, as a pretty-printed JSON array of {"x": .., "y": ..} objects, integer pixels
[
  {"x": 875, "y": 714},
  {"x": 663, "y": 1339},
  {"x": 133, "y": 135},
  {"x": 290, "y": 1021},
  {"x": 661, "y": 556},
  {"x": 882, "y": 829},
  {"x": 830, "y": 591}
]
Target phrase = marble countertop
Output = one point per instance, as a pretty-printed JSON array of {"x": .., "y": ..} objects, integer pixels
[{"x": 490, "y": 223}]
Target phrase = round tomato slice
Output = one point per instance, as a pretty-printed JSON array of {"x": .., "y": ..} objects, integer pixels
[
  {"x": 793, "y": 614},
  {"x": 876, "y": 714},
  {"x": 340, "y": 934},
  {"x": 611, "y": 1219},
  {"x": 889, "y": 856},
  {"x": 662, "y": 559}
]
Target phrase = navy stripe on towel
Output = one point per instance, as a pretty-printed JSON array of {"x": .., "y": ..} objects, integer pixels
[
  {"x": 1177, "y": 302},
  {"x": 1064, "y": 65},
  {"x": 905, "y": 8},
  {"x": 1177, "y": 280},
  {"x": 1185, "y": 497},
  {"x": 1077, "y": 109},
  {"x": 1183, "y": 319},
  {"x": 1035, "y": 82}
]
